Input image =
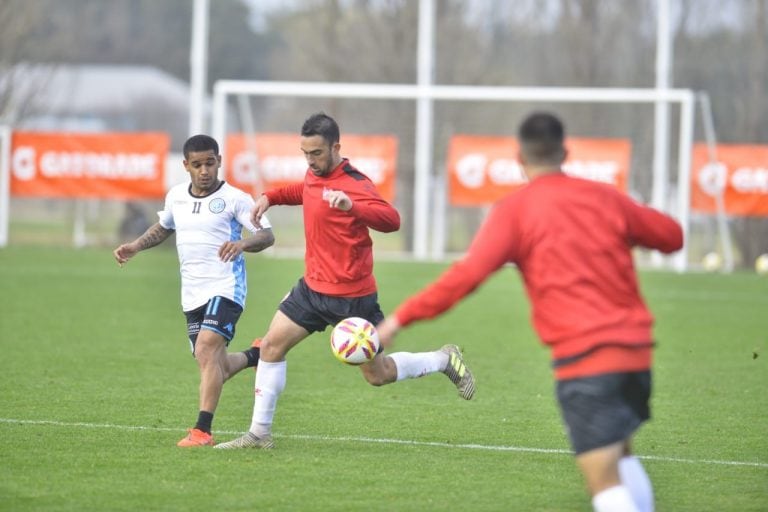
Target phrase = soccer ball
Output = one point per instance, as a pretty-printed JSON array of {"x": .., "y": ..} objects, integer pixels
[
  {"x": 712, "y": 262},
  {"x": 354, "y": 341},
  {"x": 761, "y": 264}
]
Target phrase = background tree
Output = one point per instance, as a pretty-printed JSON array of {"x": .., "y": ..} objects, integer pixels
[{"x": 720, "y": 46}]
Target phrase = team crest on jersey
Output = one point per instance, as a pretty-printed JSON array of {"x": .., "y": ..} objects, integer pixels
[{"x": 217, "y": 205}]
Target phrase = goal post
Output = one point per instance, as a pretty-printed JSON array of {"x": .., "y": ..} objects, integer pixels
[
  {"x": 723, "y": 231},
  {"x": 224, "y": 89},
  {"x": 5, "y": 182}
]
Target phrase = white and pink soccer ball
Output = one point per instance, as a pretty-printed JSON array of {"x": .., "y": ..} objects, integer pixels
[{"x": 354, "y": 341}]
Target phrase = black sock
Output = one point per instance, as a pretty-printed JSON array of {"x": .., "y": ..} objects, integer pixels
[
  {"x": 253, "y": 356},
  {"x": 204, "y": 420}
]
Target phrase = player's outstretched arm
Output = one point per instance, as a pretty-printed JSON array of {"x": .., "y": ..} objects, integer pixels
[
  {"x": 653, "y": 229},
  {"x": 259, "y": 241},
  {"x": 261, "y": 206},
  {"x": 153, "y": 236},
  {"x": 387, "y": 330}
]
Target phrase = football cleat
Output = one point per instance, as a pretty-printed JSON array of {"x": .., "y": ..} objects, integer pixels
[
  {"x": 248, "y": 440},
  {"x": 457, "y": 371},
  {"x": 196, "y": 438}
]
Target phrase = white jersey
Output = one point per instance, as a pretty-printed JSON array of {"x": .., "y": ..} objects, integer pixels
[{"x": 202, "y": 225}]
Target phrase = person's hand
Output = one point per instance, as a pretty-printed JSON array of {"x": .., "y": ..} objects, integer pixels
[
  {"x": 123, "y": 253},
  {"x": 230, "y": 250},
  {"x": 338, "y": 199},
  {"x": 262, "y": 205},
  {"x": 387, "y": 330}
]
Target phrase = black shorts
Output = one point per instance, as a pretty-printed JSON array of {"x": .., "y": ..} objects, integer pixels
[
  {"x": 605, "y": 409},
  {"x": 316, "y": 311},
  {"x": 219, "y": 315}
]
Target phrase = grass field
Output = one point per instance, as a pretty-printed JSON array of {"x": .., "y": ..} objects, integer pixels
[{"x": 97, "y": 386}]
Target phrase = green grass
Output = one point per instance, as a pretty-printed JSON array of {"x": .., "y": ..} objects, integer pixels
[{"x": 98, "y": 385}]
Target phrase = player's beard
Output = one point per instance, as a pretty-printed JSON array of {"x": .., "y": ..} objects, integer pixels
[{"x": 324, "y": 169}]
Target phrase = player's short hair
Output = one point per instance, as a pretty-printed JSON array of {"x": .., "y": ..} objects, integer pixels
[
  {"x": 199, "y": 144},
  {"x": 541, "y": 136},
  {"x": 323, "y": 125}
]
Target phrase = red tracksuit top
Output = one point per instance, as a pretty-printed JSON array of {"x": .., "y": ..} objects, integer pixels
[
  {"x": 571, "y": 240},
  {"x": 338, "y": 257}
]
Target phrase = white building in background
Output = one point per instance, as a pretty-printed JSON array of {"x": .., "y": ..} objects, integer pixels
[{"x": 94, "y": 98}]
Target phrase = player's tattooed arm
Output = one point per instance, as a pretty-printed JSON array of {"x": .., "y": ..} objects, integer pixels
[
  {"x": 259, "y": 241},
  {"x": 154, "y": 235},
  {"x": 151, "y": 237}
]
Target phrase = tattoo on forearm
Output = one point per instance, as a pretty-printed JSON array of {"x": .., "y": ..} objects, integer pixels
[
  {"x": 153, "y": 236},
  {"x": 259, "y": 241}
]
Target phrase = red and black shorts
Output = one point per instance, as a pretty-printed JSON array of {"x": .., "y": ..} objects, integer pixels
[
  {"x": 604, "y": 409},
  {"x": 315, "y": 311}
]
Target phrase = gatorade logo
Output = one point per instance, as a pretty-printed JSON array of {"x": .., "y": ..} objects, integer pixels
[
  {"x": 23, "y": 163},
  {"x": 712, "y": 178},
  {"x": 752, "y": 180},
  {"x": 246, "y": 167},
  {"x": 80, "y": 164},
  {"x": 109, "y": 165},
  {"x": 472, "y": 169},
  {"x": 604, "y": 171}
]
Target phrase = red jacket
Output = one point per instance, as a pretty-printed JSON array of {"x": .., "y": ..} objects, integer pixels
[
  {"x": 571, "y": 239},
  {"x": 339, "y": 251}
]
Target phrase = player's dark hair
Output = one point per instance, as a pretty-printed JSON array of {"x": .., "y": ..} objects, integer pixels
[
  {"x": 199, "y": 144},
  {"x": 541, "y": 136},
  {"x": 323, "y": 125}
]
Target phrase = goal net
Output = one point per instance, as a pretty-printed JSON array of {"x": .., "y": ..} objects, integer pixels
[{"x": 257, "y": 125}]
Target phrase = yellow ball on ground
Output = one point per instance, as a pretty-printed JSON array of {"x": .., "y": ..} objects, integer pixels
[
  {"x": 712, "y": 262},
  {"x": 761, "y": 264}
]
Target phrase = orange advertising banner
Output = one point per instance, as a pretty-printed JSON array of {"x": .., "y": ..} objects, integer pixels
[
  {"x": 111, "y": 166},
  {"x": 266, "y": 161},
  {"x": 483, "y": 169},
  {"x": 740, "y": 174}
]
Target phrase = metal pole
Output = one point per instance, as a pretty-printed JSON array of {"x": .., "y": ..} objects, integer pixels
[
  {"x": 79, "y": 234},
  {"x": 5, "y": 182},
  {"x": 439, "y": 214},
  {"x": 219, "y": 121},
  {"x": 661, "y": 114},
  {"x": 684, "y": 178},
  {"x": 710, "y": 136},
  {"x": 424, "y": 129},
  {"x": 198, "y": 60},
  {"x": 447, "y": 92}
]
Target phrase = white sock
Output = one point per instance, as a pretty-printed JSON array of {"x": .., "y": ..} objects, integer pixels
[
  {"x": 270, "y": 382},
  {"x": 614, "y": 499},
  {"x": 635, "y": 479},
  {"x": 412, "y": 366}
]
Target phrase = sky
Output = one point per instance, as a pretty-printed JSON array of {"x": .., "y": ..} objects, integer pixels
[
  {"x": 709, "y": 14},
  {"x": 260, "y": 9}
]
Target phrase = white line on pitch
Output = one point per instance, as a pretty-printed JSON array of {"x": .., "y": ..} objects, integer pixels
[{"x": 382, "y": 441}]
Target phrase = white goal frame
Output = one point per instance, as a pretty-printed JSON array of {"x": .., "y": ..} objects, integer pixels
[
  {"x": 426, "y": 94},
  {"x": 5, "y": 182}
]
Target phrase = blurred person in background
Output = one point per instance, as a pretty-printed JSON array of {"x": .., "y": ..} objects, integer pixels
[
  {"x": 571, "y": 240},
  {"x": 134, "y": 223},
  {"x": 208, "y": 217}
]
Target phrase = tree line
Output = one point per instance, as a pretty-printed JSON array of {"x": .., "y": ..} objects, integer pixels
[{"x": 720, "y": 46}]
